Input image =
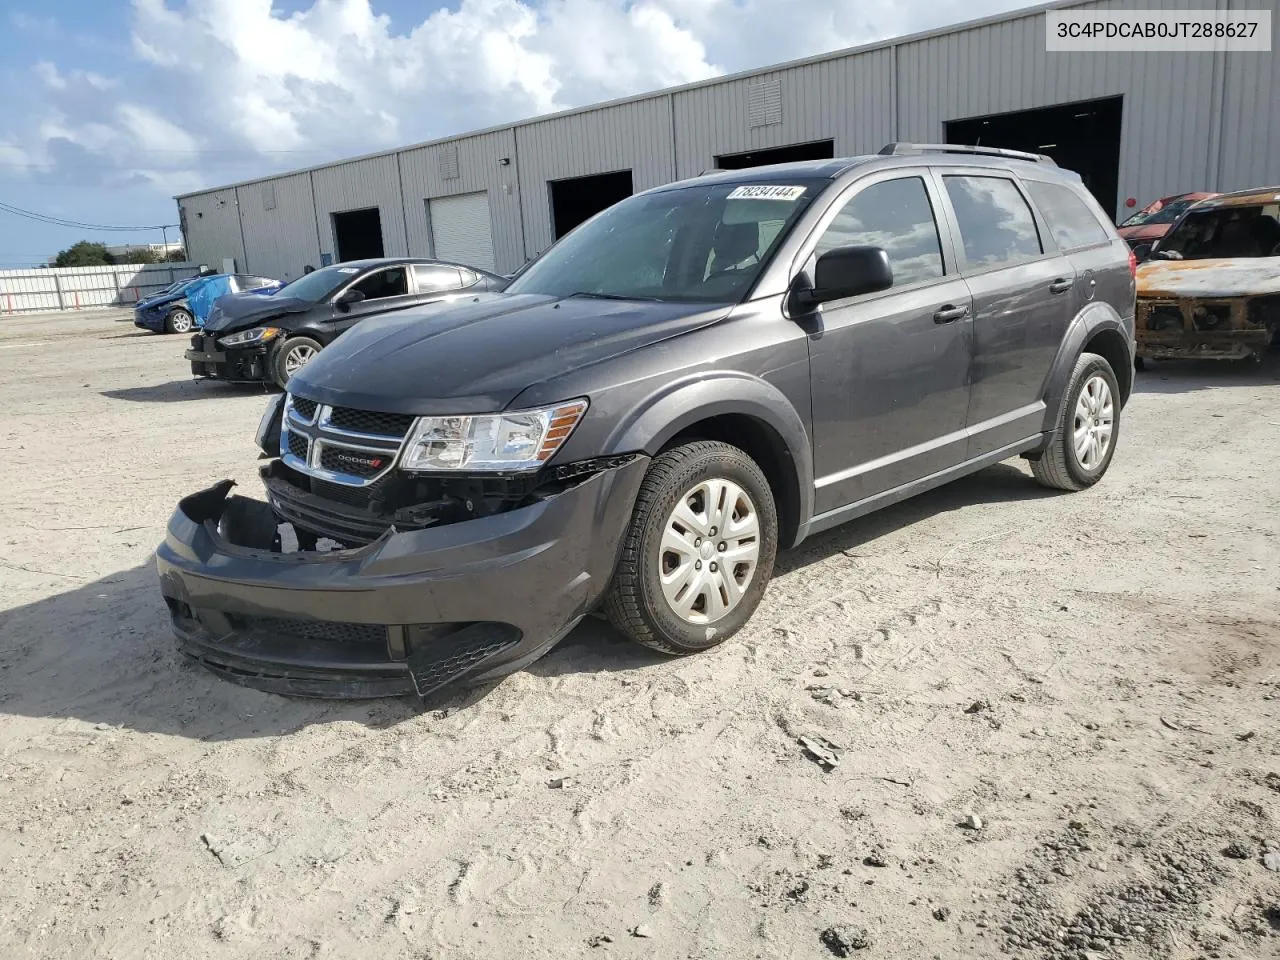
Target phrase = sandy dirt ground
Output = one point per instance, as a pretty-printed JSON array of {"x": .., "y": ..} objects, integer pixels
[{"x": 1055, "y": 719}]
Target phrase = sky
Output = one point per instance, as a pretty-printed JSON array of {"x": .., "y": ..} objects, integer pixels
[{"x": 111, "y": 107}]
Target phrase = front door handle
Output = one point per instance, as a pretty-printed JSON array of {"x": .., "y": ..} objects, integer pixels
[
  {"x": 1061, "y": 285},
  {"x": 950, "y": 313}
]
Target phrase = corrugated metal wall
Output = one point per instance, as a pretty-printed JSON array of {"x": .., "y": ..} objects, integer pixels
[
  {"x": 1190, "y": 121},
  {"x": 1249, "y": 150},
  {"x": 279, "y": 226},
  {"x": 479, "y": 168},
  {"x": 211, "y": 228},
  {"x": 374, "y": 182},
  {"x": 634, "y": 136},
  {"x": 1168, "y": 97},
  {"x": 78, "y": 288},
  {"x": 849, "y": 100}
]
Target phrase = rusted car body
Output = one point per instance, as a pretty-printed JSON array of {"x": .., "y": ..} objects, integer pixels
[{"x": 1211, "y": 288}]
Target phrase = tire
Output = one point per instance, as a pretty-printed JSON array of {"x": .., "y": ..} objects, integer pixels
[
  {"x": 292, "y": 348},
  {"x": 637, "y": 602},
  {"x": 1062, "y": 466},
  {"x": 179, "y": 320}
]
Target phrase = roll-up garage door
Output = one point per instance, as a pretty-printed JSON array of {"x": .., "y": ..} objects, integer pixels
[{"x": 461, "y": 229}]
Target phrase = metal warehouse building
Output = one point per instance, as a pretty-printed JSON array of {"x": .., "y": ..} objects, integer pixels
[{"x": 1135, "y": 125}]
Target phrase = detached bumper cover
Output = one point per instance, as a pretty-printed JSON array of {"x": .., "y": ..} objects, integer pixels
[
  {"x": 408, "y": 613},
  {"x": 210, "y": 360}
]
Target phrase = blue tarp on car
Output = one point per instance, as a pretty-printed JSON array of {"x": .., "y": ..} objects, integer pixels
[{"x": 201, "y": 294}]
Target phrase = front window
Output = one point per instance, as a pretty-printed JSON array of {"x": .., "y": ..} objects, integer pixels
[
  {"x": 1167, "y": 213},
  {"x": 1252, "y": 231},
  {"x": 704, "y": 243},
  {"x": 319, "y": 284}
]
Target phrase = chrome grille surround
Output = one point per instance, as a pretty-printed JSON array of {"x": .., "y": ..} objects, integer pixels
[{"x": 324, "y": 437}]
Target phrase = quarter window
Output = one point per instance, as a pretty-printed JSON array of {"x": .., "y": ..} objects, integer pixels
[
  {"x": 1072, "y": 222},
  {"x": 996, "y": 225},
  {"x": 435, "y": 277},
  {"x": 897, "y": 216}
]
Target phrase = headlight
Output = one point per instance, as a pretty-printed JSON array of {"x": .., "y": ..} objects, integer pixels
[
  {"x": 256, "y": 335},
  {"x": 518, "y": 440}
]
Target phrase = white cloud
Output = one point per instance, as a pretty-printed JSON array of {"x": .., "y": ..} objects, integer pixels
[{"x": 225, "y": 89}]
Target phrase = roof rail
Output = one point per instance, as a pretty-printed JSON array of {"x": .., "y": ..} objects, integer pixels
[{"x": 906, "y": 149}]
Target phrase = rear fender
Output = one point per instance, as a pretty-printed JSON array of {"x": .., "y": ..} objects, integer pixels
[{"x": 1090, "y": 321}]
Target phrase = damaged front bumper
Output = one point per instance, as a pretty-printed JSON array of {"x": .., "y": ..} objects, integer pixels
[
  {"x": 408, "y": 613},
  {"x": 243, "y": 364}
]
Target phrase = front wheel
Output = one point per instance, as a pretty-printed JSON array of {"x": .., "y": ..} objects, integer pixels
[
  {"x": 1088, "y": 427},
  {"x": 291, "y": 356},
  {"x": 699, "y": 551},
  {"x": 179, "y": 321}
]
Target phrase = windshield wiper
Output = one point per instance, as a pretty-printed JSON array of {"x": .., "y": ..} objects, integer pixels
[{"x": 610, "y": 296}]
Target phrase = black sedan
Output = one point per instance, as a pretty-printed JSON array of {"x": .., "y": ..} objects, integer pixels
[{"x": 270, "y": 338}]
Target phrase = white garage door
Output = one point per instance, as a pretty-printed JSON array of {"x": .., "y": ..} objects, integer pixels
[{"x": 461, "y": 230}]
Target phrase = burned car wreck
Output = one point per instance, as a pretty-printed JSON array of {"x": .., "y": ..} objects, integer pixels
[{"x": 1210, "y": 289}]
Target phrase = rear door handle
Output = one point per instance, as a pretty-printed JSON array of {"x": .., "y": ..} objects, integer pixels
[
  {"x": 1061, "y": 285},
  {"x": 950, "y": 313}
]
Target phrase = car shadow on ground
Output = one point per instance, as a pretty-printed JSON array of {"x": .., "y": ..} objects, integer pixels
[
  {"x": 176, "y": 391},
  {"x": 102, "y": 653},
  {"x": 1187, "y": 376}
]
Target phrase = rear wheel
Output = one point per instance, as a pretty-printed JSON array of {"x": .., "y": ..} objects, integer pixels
[
  {"x": 1088, "y": 427},
  {"x": 699, "y": 552},
  {"x": 179, "y": 320},
  {"x": 291, "y": 356}
]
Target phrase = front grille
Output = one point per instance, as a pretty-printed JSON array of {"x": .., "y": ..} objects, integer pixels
[
  {"x": 365, "y": 421},
  {"x": 306, "y": 408},
  {"x": 1211, "y": 316},
  {"x": 354, "y": 463},
  {"x": 1264, "y": 311},
  {"x": 333, "y": 631},
  {"x": 298, "y": 446}
]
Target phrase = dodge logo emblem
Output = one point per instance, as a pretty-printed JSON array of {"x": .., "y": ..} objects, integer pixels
[{"x": 372, "y": 463}]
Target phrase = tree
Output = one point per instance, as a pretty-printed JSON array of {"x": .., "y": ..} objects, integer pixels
[
  {"x": 84, "y": 254},
  {"x": 138, "y": 255},
  {"x": 177, "y": 256}
]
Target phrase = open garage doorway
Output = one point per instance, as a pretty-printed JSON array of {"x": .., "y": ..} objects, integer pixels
[
  {"x": 358, "y": 234},
  {"x": 580, "y": 198},
  {"x": 1082, "y": 136},
  {"x": 816, "y": 150}
]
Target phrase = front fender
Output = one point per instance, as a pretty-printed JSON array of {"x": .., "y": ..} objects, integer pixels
[
  {"x": 1095, "y": 318},
  {"x": 683, "y": 403}
]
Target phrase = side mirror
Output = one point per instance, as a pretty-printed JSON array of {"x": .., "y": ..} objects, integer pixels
[
  {"x": 1142, "y": 252},
  {"x": 848, "y": 272},
  {"x": 345, "y": 301}
]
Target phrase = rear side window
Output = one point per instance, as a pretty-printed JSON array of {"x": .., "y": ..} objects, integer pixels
[
  {"x": 996, "y": 225},
  {"x": 897, "y": 216},
  {"x": 435, "y": 277},
  {"x": 1070, "y": 220}
]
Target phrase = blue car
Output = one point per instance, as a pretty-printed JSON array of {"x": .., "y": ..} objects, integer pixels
[{"x": 173, "y": 310}]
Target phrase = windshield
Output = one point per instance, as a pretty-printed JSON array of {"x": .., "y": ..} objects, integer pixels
[
  {"x": 1225, "y": 232},
  {"x": 318, "y": 284},
  {"x": 705, "y": 242},
  {"x": 178, "y": 285},
  {"x": 1170, "y": 212}
]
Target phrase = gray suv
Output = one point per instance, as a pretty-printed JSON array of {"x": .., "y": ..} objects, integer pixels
[{"x": 696, "y": 377}]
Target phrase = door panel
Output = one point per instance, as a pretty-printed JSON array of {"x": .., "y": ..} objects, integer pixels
[
  {"x": 890, "y": 392},
  {"x": 385, "y": 290},
  {"x": 1022, "y": 299},
  {"x": 889, "y": 371}
]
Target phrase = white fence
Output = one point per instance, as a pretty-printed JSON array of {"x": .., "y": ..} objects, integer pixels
[{"x": 77, "y": 288}]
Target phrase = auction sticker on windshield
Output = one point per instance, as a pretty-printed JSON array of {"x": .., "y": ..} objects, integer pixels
[{"x": 762, "y": 192}]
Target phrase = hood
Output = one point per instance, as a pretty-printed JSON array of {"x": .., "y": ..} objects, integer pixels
[
  {"x": 160, "y": 299},
  {"x": 1227, "y": 277},
  {"x": 240, "y": 311},
  {"x": 477, "y": 356},
  {"x": 1144, "y": 232}
]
